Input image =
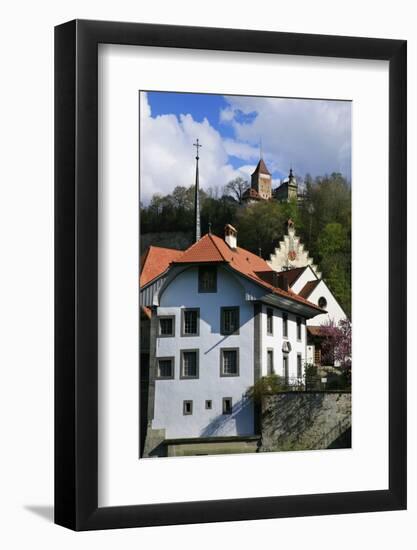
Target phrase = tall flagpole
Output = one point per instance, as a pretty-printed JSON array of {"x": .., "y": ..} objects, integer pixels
[{"x": 197, "y": 227}]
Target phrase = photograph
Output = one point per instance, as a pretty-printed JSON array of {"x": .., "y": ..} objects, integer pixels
[
  {"x": 245, "y": 274},
  {"x": 206, "y": 221}
]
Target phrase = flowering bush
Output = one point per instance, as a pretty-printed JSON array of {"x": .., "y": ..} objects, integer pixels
[{"x": 337, "y": 343}]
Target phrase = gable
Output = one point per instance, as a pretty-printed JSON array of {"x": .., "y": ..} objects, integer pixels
[
  {"x": 303, "y": 276},
  {"x": 333, "y": 308}
]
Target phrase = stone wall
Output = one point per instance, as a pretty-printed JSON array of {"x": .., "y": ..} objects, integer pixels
[{"x": 304, "y": 420}]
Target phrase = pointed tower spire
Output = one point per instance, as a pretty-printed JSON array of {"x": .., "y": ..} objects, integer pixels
[{"x": 197, "y": 228}]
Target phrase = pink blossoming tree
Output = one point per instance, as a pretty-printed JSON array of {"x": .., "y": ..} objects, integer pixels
[{"x": 337, "y": 343}]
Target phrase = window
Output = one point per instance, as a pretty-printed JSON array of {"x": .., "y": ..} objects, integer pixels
[
  {"x": 270, "y": 361},
  {"x": 208, "y": 404},
  {"x": 190, "y": 322},
  {"x": 322, "y": 302},
  {"x": 285, "y": 368},
  {"x": 227, "y": 405},
  {"x": 229, "y": 362},
  {"x": 165, "y": 367},
  {"x": 166, "y": 326},
  {"x": 299, "y": 366},
  {"x": 270, "y": 321},
  {"x": 299, "y": 325},
  {"x": 229, "y": 323},
  {"x": 207, "y": 279},
  {"x": 189, "y": 363},
  {"x": 285, "y": 325},
  {"x": 187, "y": 407}
]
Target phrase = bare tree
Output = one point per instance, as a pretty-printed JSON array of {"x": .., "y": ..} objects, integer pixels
[{"x": 236, "y": 188}]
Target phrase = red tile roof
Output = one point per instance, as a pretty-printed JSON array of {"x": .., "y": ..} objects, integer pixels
[
  {"x": 261, "y": 167},
  {"x": 251, "y": 194},
  {"x": 207, "y": 249},
  {"x": 291, "y": 275},
  {"x": 155, "y": 261},
  {"x": 211, "y": 248},
  {"x": 316, "y": 331},
  {"x": 308, "y": 288}
]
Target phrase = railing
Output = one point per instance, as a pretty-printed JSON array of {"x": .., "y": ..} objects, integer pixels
[
  {"x": 274, "y": 384},
  {"x": 314, "y": 383}
]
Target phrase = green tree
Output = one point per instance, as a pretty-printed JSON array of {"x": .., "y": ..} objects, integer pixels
[
  {"x": 332, "y": 239},
  {"x": 260, "y": 225}
]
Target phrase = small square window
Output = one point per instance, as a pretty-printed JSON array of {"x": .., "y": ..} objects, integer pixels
[
  {"x": 189, "y": 363},
  {"x": 229, "y": 359},
  {"x": 209, "y": 404},
  {"x": 227, "y": 405},
  {"x": 166, "y": 326},
  {"x": 230, "y": 320},
  {"x": 207, "y": 279},
  {"x": 165, "y": 367},
  {"x": 190, "y": 322},
  {"x": 187, "y": 407}
]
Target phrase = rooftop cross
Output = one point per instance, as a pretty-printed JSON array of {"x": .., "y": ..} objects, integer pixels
[{"x": 197, "y": 146}]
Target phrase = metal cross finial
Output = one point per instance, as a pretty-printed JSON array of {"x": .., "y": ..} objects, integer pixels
[
  {"x": 209, "y": 228},
  {"x": 197, "y": 146},
  {"x": 260, "y": 148}
]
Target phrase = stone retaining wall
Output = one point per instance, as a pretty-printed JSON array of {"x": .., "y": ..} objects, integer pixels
[{"x": 304, "y": 420}]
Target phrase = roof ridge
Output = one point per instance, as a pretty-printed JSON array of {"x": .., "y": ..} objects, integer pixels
[
  {"x": 218, "y": 249},
  {"x": 194, "y": 244}
]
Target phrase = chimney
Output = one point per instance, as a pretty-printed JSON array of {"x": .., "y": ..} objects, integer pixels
[{"x": 230, "y": 236}]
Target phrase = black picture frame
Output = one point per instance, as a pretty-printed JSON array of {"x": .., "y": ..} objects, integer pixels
[{"x": 76, "y": 270}]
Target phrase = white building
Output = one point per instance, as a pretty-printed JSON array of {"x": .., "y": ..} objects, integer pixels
[
  {"x": 219, "y": 318},
  {"x": 294, "y": 264}
]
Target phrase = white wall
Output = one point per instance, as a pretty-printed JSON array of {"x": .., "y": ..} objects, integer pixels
[
  {"x": 334, "y": 311},
  {"x": 306, "y": 276},
  {"x": 276, "y": 340},
  {"x": 26, "y": 404},
  {"x": 170, "y": 394}
]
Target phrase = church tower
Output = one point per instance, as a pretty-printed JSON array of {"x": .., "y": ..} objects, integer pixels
[
  {"x": 288, "y": 190},
  {"x": 261, "y": 180}
]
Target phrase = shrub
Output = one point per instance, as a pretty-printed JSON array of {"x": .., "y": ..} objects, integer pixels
[{"x": 270, "y": 385}]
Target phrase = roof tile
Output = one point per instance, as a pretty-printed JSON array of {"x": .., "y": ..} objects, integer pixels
[
  {"x": 308, "y": 288},
  {"x": 213, "y": 249},
  {"x": 155, "y": 261}
]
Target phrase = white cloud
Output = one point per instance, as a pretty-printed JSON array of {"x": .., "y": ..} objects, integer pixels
[
  {"x": 227, "y": 115},
  {"x": 168, "y": 155},
  {"x": 240, "y": 150},
  {"x": 310, "y": 135}
]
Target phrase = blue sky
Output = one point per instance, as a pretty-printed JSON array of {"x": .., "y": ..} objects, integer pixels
[{"x": 312, "y": 136}]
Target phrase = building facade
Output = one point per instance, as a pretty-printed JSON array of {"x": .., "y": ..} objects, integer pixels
[
  {"x": 295, "y": 265},
  {"x": 218, "y": 322}
]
